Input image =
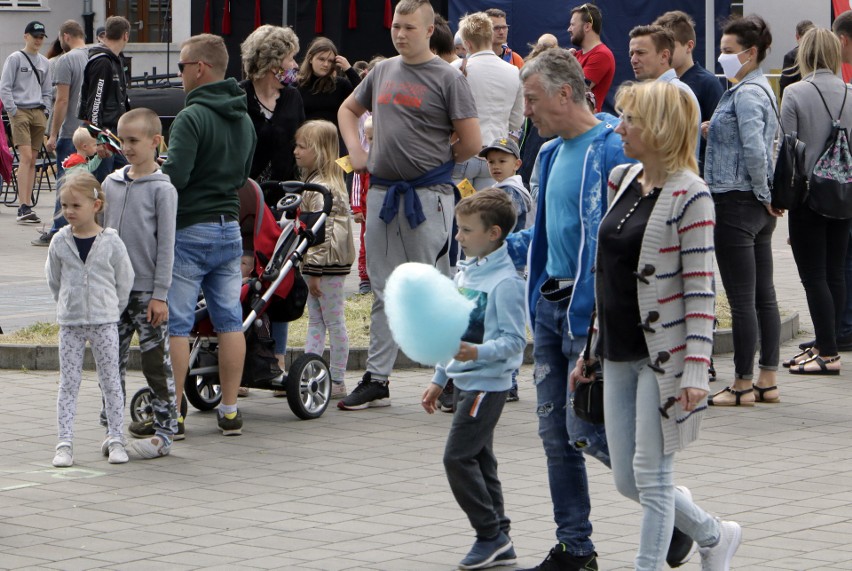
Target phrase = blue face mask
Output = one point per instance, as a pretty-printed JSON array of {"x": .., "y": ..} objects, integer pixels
[{"x": 287, "y": 77}]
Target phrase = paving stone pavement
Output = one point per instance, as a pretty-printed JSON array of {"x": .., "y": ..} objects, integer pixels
[{"x": 366, "y": 490}]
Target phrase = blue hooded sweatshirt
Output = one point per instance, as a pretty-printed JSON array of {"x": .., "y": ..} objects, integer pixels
[
  {"x": 497, "y": 324},
  {"x": 603, "y": 155}
]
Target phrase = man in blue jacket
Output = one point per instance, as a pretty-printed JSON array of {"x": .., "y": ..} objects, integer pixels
[{"x": 561, "y": 248}]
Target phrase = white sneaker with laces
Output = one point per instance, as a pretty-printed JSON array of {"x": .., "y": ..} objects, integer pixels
[
  {"x": 64, "y": 456},
  {"x": 718, "y": 557},
  {"x": 117, "y": 453}
]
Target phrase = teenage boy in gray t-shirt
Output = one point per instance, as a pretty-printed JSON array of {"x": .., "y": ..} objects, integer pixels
[{"x": 418, "y": 103}]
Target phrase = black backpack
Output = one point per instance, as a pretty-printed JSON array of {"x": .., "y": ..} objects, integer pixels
[{"x": 830, "y": 183}]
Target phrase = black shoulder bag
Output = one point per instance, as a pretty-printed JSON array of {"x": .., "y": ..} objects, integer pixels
[{"x": 588, "y": 398}]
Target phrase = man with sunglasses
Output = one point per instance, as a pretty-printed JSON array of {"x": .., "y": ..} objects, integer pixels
[
  {"x": 594, "y": 56},
  {"x": 211, "y": 145},
  {"x": 103, "y": 95},
  {"x": 501, "y": 34}
]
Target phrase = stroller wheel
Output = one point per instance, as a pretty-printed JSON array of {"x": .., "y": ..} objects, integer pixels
[
  {"x": 141, "y": 409},
  {"x": 203, "y": 391},
  {"x": 309, "y": 386}
]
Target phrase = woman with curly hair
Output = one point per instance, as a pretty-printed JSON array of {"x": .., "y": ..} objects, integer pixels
[
  {"x": 322, "y": 86},
  {"x": 274, "y": 105}
]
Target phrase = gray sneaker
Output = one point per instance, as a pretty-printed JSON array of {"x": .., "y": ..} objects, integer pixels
[
  {"x": 117, "y": 453},
  {"x": 718, "y": 557},
  {"x": 43, "y": 239}
]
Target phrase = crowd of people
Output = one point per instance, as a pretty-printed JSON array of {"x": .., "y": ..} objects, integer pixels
[{"x": 597, "y": 231}]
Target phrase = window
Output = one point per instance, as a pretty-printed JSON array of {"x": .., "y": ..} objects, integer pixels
[
  {"x": 23, "y": 3},
  {"x": 150, "y": 20}
]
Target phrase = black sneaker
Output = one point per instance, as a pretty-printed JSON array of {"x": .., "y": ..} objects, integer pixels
[
  {"x": 231, "y": 426},
  {"x": 512, "y": 395},
  {"x": 26, "y": 215},
  {"x": 559, "y": 560},
  {"x": 43, "y": 239},
  {"x": 141, "y": 429},
  {"x": 445, "y": 399},
  {"x": 367, "y": 394},
  {"x": 681, "y": 549},
  {"x": 181, "y": 430}
]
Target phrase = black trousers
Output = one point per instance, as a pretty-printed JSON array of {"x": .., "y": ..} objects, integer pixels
[
  {"x": 470, "y": 462},
  {"x": 819, "y": 248},
  {"x": 743, "y": 239}
]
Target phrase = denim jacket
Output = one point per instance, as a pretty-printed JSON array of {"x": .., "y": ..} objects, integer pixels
[{"x": 740, "y": 154}]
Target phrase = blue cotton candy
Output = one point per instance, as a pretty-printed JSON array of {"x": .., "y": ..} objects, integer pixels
[{"x": 426, "y": 313}]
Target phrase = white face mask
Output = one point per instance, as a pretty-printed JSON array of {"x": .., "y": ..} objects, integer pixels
[{"x": 731, "y": 64}]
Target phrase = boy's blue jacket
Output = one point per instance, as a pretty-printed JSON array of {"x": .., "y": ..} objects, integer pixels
[
  {"x": 497, "y": 324},
  {"x": 603, "y": 154}
]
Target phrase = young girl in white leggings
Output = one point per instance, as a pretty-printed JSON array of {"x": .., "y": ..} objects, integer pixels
[
  {"x": 326, "y": 264},
  {"x": 90, "y": 275}
]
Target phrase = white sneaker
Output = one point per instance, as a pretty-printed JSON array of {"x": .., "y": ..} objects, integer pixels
[
  {"x": 117, "y": 453},
  {"x": 64, "y": 457},
  {"x": 147, "y": 448},
  {"x": 718, "y": 557},
  {"x": 338, "y": 391},
  {"x": 109, "y": 440}
]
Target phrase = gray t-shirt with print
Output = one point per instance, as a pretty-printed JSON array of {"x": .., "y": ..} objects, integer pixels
[
  {"x": 69, "y": 71},
  {"x": 413, "y": 109}
]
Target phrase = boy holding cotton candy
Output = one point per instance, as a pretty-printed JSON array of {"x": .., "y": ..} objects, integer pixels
[{"x": 490, "y": 349}]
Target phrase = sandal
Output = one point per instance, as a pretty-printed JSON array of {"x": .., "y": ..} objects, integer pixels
[
  {"x": 738, "y": 398},
  {"x": 760, "y": 394},
  {"x": 804, "y": 369},
  {"x": 805, "y": 355}
]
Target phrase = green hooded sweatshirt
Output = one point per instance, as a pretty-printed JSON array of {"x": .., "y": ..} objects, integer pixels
[{"x": 211, "y": 144}]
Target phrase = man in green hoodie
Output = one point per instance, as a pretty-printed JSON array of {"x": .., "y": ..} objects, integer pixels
[{"x": 211, "y": 144}]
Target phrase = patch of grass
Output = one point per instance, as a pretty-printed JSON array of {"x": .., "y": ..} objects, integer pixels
[
  {"x": 40, "y": 333},
  {"x": 357, "y": 314},
  {"x": 723, "y": 311}
]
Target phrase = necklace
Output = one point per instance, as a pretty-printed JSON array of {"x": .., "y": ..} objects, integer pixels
[{"x": 633, "y": 208}]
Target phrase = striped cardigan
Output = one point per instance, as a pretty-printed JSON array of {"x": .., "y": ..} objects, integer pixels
[{"x": 675, "y": 292}]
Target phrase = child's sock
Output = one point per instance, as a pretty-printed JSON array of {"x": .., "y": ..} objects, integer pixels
[{"x": 229, "y": 411}]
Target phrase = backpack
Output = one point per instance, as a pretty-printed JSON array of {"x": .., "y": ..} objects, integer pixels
[{"x": 830, "y": 182}]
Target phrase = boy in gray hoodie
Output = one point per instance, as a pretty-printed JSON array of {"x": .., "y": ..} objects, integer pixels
[
  {"x": 491, "y": 348},
  {"x": 142, "y": 207}
]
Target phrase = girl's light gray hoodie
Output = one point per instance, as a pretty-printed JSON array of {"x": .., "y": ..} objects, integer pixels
[{"x": 92, "y": 293}]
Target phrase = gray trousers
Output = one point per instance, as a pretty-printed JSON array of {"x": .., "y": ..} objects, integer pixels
[
  {"x": 390, "y": 245},
  {"x": 470, "y": 462}
]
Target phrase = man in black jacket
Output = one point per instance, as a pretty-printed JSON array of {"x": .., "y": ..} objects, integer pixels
[
  {"x": 790, "y": 70},
  {"x": 103, "y": 98}
]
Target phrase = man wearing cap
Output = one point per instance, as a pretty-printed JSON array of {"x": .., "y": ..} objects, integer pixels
[
  {"x": 100, "y": 34},
  {"x": 103, "y": 96},
  {"x": 26, "y": 94}
]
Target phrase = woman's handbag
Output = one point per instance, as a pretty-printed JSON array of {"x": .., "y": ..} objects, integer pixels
[{"x": 588, "y": 399}]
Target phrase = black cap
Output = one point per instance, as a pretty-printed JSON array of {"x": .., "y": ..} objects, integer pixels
[
  {"x": 504, "y": 144},
  {"x": 35, "y": 29},
  {"x": 100, "y": 31}
]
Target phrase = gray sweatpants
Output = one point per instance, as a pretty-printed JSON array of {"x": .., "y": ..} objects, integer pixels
[{"x": 390, "y": 245}]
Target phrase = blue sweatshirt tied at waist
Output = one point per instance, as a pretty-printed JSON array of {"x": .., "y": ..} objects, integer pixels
[{"x": 405, "y": 188}]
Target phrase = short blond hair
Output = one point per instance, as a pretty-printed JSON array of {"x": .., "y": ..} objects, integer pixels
[
  {"x": 82, "y": 136},
  {"x": 477, "y": 29},
  {"x": 264, "y": 49},
  {"x": 668, "y": 118},
  {"x": 145, "y": 116},
  {"x": 210, "y": 49},
  {"x": 85, "y": 184},
  {"x": 819, "y": 48}
]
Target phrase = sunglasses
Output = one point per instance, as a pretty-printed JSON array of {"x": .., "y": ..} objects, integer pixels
[
  {"x": 585, "y": 7},
  {"x": 182, "y": 64}
]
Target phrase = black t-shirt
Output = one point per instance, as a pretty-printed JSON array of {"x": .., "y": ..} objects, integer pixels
[
  {"x": 619, "y": 246},
  {"x": 84, "y": 245}
]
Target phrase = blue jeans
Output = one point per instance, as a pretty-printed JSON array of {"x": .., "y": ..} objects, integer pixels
[
  {"x": 108, "y": 166},
  {"x": 207, "y": 258},
  {"x": 64, "y": 149},
  {"x": 279, "y": 335},
  {"x": 563, "y": 435},
  {"x": 642, "y": 471}
]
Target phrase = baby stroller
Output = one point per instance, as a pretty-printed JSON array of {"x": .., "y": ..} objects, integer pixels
[{"x": 277, "y": 288}]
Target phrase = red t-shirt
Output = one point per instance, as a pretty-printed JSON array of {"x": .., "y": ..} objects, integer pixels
[{"x": 599, "y": 68}]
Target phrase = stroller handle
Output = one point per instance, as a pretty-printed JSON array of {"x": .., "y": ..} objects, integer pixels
[{"x": 297, "y": 187}]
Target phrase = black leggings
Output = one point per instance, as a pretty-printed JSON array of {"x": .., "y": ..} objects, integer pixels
[
  {"x": 744, "y": 254},
  {"x": 819, "y": 248}
]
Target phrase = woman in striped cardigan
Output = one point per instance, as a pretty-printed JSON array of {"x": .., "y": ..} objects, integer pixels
[{"x": 654, "y": 297}]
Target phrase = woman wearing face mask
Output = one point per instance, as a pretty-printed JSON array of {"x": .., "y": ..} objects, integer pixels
[
  {"x": 738, "y": 166},
  {"x": 274, "y": 104},
  {"x": 276, "y": 110},
  {"x": 323, "y": 89}
]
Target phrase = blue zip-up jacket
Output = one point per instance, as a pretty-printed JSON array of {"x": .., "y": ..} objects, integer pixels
[
  {"x": 497, "y": 324},
  {"x": 603, "y": 155},
  {"x": 739, "y": 153}
]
